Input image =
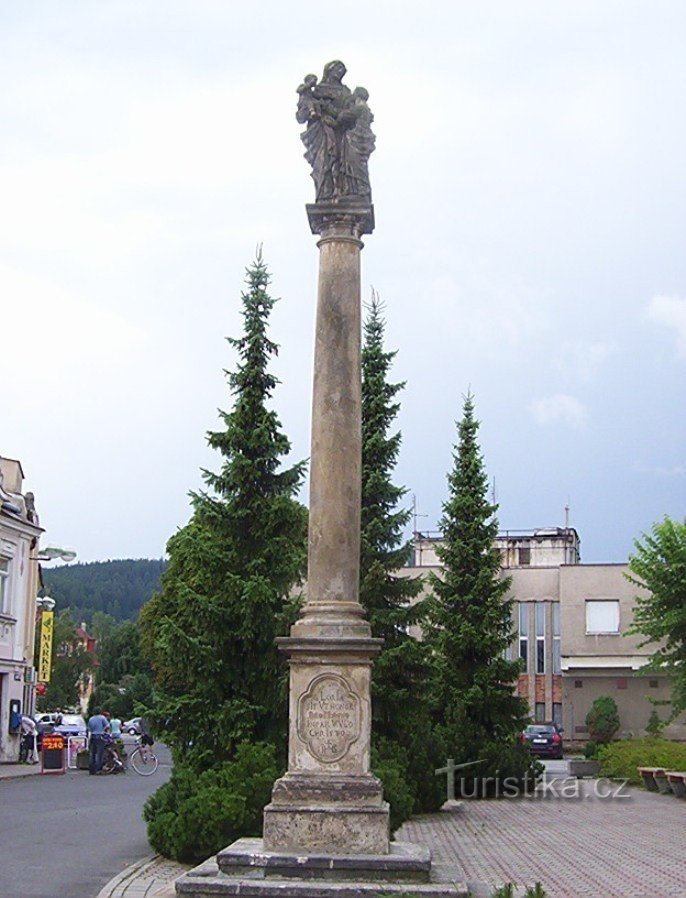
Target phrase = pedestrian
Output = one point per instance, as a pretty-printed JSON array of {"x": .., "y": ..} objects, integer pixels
[
  {"x": 29, "y": 731},
  {"x": 97, "y": 727},
  {"x": 115, "y": 727}
]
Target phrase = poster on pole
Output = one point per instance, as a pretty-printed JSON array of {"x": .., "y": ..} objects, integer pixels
[
  {"x": 45, "y": 651},
  {"x": 75, "y": 744}
]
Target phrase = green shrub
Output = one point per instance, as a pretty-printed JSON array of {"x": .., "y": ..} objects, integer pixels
[
  {"x": 391, "y": 768},
  {"x": 502, "y": 768},
  {"x": 536, "y": 891},
  {"x": 621, "y": 759},
  {"x": 655, "y": 726},
  {"x": 507, "y": 891},
  {"x": 193, "y": 816},
  {"x": 591, "y": 750},
  {"x": 603, "y": 719}
]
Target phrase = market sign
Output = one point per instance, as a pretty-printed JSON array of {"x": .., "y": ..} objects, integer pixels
[
  {"x": 52, "y": 753},
  {"x": 45, "y": 649}
]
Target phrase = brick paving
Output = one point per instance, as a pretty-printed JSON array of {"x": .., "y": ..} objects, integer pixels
[{"x": 577, "y": 847}]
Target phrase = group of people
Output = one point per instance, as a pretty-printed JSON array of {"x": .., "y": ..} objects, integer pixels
[{"x": 101, "y": 726}]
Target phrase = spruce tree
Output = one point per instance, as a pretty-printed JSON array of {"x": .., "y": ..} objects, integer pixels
[
  {"x": 401, "y": 730},
  {"x": 470, "y": 626},
  {"x": 210, "y": 631}
]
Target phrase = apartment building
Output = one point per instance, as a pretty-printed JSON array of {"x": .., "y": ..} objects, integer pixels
[{"x": 570, "y": 628}]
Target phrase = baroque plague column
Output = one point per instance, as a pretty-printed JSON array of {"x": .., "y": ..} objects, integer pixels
[
  {"x": 326, "y": 830},
  {"x": 329, "y": 800}
]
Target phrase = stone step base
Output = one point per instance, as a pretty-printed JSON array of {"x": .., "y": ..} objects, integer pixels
[
  {"x": 250, "y": 872},
  {"x": 210, "y": 883},
  {"x": 406, "y": 862}
]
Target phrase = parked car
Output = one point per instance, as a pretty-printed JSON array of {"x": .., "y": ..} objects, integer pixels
[
  {"x": 544, "y": 740},
  {"x": 133, "y": 726},
  {"x": 72, "y": 725},
  {"x": 45, "y": 720}
]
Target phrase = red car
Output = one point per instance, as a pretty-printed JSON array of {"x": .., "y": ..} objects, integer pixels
[{"x": 544, "y": 740}]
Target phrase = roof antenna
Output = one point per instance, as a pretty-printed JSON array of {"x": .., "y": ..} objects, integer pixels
[{"x": 567, "y": 515}]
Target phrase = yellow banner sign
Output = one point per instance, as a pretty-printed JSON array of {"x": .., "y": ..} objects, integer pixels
[{"x": 45, "y": 651}]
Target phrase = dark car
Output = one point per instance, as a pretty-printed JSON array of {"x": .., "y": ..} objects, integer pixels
[{"x": 544, "y": 740}]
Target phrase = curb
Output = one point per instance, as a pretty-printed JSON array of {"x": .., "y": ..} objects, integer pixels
[
  {"x": 17, "y": 774},
  {"x": 129, "y": 873},
  {"x": 153, "y": 875}
]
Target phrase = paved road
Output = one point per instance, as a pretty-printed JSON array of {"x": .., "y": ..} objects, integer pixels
[{"x": 67, "y": 836}]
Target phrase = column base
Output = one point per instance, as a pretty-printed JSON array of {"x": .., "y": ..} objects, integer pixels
[{"x": 245, "y": 868}]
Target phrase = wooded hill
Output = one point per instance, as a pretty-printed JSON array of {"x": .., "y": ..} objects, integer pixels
[{"x": 118, "y": 588}]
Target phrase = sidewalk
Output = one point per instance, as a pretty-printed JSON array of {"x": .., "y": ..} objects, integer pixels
[{"x": 15, "y": 771}]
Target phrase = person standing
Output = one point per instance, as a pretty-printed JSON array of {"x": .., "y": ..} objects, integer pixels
[
  {"x": 115, "y": 727},
  {"x": 97, "y": 727},
  {"x": 29, "y": 731}
]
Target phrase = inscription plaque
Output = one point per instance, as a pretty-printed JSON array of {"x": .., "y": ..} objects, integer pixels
[{"x": 329, "y": 718}]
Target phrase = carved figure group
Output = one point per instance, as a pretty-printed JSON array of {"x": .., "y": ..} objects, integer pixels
[{"x": 338, "y": 138}]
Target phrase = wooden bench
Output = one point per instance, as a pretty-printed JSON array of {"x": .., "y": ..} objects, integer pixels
[
  {"x": 677, "y": 782},
  {"x": 650, "y": 777}
]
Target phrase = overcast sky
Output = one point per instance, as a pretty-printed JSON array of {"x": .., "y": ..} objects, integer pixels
[{"x": 529, "y": 189}]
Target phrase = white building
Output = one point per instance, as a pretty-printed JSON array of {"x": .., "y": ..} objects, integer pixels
[{"x": 19, "y": 534}]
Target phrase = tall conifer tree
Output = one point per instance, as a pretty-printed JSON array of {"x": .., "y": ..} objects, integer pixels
[
  {"x": 210, "y": 630},
  {"x": 470, "y": 624},
  {"x": 401, "y": 729}
]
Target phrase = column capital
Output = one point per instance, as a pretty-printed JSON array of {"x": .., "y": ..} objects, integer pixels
[{"x": 341, "y": 219}]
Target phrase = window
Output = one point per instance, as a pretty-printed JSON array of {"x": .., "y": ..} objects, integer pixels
[
  {"x": 540, "y": 712},
  {"x": 578, "y": 684},
  {"x": 557, "y": 654},
  {"x": 540, "y": 637},
  {"x": 653, "y": 684},
  {"x": 524, "y": 634},
  {"x": 622, "y": 683},
  {"x": 4, "y": 586},
  {"x": 524, "y": 555},
  {"x": 557, "y": 713},
  {"x": 602, "y": 616}
]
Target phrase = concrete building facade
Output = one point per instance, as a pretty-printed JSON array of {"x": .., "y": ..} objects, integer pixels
[{"x": 570, "y": 628}]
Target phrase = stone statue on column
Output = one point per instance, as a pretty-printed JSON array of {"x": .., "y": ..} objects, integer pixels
[{"x": 338, "y": 138}]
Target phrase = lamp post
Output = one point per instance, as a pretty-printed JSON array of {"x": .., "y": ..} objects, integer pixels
[{"x": 45, "y": 606}]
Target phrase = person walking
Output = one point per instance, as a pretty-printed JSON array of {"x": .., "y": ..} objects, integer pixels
[{"x": 97, "y": 727}]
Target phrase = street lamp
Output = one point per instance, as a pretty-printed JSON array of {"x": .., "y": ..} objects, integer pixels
[{"x": 52, "y": 553}]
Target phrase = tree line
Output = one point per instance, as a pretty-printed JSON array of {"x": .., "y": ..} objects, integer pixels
[{"x": 116, "y": 588}]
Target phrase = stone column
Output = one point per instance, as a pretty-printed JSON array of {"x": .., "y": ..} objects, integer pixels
[{"x": 329, "y": 800}]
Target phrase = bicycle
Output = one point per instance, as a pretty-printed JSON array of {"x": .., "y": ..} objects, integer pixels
[
  {"x": 142, "y": 758},
  {"x": 111, "y": 762}
]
